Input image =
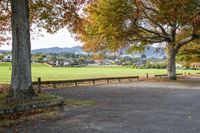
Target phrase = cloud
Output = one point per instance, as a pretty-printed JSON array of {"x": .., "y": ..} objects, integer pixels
[{"x": 62, "y": 38}]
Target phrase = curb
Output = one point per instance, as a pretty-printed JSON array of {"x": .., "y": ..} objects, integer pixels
[{"x": 59, "y": 101}]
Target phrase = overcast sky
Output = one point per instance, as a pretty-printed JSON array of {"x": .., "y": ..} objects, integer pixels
[{"x": 61, "y": 39}]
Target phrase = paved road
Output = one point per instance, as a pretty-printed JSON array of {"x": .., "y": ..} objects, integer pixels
[{"x": 137, "y": 107}]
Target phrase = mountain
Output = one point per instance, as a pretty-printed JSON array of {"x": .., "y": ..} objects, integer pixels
[
  {"x": 4, "y": 51},
  {"x": 150, "y": 52},
  {"x": 76, "y": 49},
  {"x": 153, "y": 52}
]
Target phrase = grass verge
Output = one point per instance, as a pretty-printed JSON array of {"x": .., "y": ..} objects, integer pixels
[
  {"x": 19, "y": 117},
  {"x": 4, "y": 104}
]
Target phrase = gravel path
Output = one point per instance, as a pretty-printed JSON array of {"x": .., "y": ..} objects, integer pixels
[{"x": 137, "y": 107}]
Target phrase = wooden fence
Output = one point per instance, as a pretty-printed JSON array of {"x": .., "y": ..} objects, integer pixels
[
  {"x": 75, "y": 82},
  {"x": 93, "y": 80},
  {"x": 165, "y": 75}
]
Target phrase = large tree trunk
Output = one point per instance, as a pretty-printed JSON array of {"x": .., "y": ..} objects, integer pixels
[
  {"x": 171, "y": 63},
  {"x": 21, "y": 82}
]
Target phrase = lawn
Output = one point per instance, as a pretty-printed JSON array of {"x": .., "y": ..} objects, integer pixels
[{"x": 60, "y": 73}]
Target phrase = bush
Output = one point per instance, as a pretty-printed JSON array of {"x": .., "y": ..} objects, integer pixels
[
  {"x": 148, "y": 65},
  {"x": 134, "y": 66},
  {"x": 155, "y": 65}
]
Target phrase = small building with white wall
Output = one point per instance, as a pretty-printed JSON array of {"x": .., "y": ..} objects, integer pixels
[{"x": 7, "y": 58}]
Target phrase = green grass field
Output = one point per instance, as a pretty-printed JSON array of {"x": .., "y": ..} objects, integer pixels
[{"x": 59, "y": 73}]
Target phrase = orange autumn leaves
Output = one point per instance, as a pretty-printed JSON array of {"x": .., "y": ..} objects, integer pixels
[
  {"x": 51, "y": 15},
  {"x": 109, "y": 24}
]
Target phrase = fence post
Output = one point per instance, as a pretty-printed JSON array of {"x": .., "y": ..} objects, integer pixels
[
  {"x": 39, "y": 85},
  {"x": 107, "y": 80},
  {"x": 93, "y": 82},
  {"x": 54, "y": 85},
  {"x": 147, "y": 76}
]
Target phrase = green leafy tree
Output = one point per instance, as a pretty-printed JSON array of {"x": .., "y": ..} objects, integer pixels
[
  {"x": 110, "y": 24},
  {"x": 1, "y": 57},
  {"x": 189, "y": 54}
]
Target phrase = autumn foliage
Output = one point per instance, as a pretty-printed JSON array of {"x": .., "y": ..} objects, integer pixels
[
  {"x": 51, "y": 15},
  {"x": 137, "y": 24},
  {"x": 114, "y": 24}
]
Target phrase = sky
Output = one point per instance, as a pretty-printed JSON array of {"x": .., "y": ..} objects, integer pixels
[{"x": 62, "y": 38}]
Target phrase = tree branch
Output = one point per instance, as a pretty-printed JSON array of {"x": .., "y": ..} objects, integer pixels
[
  {"x": 5, "y": 5},
  {"x": 152, "y": 20},
  {"x": 187, "y": 40},
  {"x": 152, "y": 32},
  {"x": 149, "y": 39}
]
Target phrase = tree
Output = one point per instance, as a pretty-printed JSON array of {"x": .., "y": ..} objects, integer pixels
[
  {"x": 82, "y": 60},
  {"x": 21, "y": 82},
  {"x": 189, "y": 54},
  {"x": 15, "y": 16},
  {"x": 1, "y": 57},
  {"x": 5, "y": 17},
  {"x": 143, "y": 56},
  {"x": 139, "y": 23}
]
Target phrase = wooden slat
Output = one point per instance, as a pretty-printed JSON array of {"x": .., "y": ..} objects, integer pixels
[
  {"x": 84, "y": 80},
  {"x": 163, "y": 75}
]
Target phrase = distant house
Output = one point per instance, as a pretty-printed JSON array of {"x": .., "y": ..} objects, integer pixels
[
  {"x": 140, "y": 62},
  {"x": 45, "y": 59},
  {"x": 7, "y": 58},
  {"x": 66, "y": 63},
  {"x": 89, "y": 62},
  {"x": 98, "y": 61},
  {"x": 195, "y": 65},
  {"x": 60, "y": 62},
  {"x": 178, "y": 65}
]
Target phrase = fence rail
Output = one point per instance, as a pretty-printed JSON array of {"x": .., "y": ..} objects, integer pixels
[
  {"x": 93, "y": 80},
  {"x": 165, "y": 75}
]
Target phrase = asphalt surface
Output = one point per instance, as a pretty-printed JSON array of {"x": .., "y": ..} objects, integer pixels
[{"x": 137, "y": 107}]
